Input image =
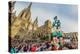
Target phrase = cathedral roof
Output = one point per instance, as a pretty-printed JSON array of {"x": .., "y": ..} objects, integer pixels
[{"x": 25, "y": 11}]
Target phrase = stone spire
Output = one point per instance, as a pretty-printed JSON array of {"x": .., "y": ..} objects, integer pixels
[
  {"x": 36, "y": 21},
  {"x": 25, "y": 12},
  {"x": 35, "y": 24},
  {"x": 23, "y": 19},
  {"x": 29, "y": 5}
]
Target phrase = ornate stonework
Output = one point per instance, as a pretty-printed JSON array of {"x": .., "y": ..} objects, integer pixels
[{"x": 23, "y": 26}]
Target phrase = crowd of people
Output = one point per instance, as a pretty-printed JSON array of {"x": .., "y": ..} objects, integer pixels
[{"x": 57, "y": 43}]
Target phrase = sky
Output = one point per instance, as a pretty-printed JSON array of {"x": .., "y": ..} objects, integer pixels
[{"x": 66, "y": 13}]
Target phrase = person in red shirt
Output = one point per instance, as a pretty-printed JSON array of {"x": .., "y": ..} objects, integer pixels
[{"x": 33, "y": 49}]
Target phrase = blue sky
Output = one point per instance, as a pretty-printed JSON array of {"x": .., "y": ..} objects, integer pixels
[{"x": 67, "y": 14}]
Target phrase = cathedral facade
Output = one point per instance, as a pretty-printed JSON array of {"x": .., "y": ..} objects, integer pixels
[{"x": 23, "y": 27}]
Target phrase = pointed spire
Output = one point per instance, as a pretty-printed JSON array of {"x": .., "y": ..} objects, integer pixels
[
  {"x": 25, "y": 11},
  {"x": 30, "y": 5},
  {"x": 36, "y": 20},
  {"x": 35, "y": 24}
]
